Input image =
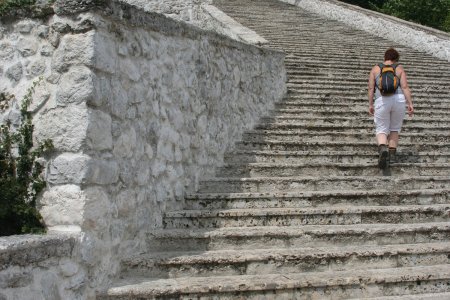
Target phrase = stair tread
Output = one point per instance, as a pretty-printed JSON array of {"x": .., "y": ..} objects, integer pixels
[
  {"x": 221, "y": 284},
  {"x": 343, "y": 178},
  {"x": 430, "y": 296},
  {"x": 334, "y": 210},
  {"x": 313, "y": 193},
  {"x": 243, "y": 255},
  {"x": 298, "y": 230},
  {"x": 318, "y": 165}
]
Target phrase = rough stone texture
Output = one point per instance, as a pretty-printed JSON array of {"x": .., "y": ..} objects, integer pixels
[
  {"x": 140, "y": 107},
  {"x": 183, "y": 10},
  {"x": 408, "y": 34},
  {"x": 41, "y": 267}
]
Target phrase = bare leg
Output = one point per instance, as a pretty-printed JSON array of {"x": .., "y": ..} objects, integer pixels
[
  {"x": 393, "y": 139},
  {"x": 382, "y": 139}
]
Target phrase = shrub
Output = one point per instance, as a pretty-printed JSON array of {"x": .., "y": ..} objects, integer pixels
[
  {"x": 20, "y": 173},
  {"x": 8, "y": 5},
  {"x": 431, "y": 13}
]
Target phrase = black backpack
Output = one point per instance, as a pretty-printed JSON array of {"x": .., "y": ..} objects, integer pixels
[{"x": 387, "y": 82}]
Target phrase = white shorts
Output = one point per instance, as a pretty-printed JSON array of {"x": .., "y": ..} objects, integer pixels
[{"x": 389, "y": 113}]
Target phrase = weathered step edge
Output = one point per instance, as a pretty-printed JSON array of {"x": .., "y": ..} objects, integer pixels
[{"x": 354, "y": 283}]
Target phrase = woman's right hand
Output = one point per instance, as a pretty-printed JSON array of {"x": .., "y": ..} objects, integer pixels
[
  {"x": 410, "y": 110},
  {"x": 371, "y": 110}
]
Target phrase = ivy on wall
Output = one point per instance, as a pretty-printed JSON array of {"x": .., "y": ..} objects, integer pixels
[
  {"x": 432, "y": 13},
  {"x": 20, "y": 172}
]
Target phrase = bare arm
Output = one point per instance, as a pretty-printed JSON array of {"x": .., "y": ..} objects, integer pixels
[
  {"x": 371, "y": 88},
  {"x": 406, "y": 91}
]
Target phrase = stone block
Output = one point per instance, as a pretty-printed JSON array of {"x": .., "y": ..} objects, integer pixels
[
  {"x": 15, "y": 72},
  {"x": 27, "y": 46},
  {"x": 15, "y": 279},
  {"x": 102, "y": 172},
  {"x": 68, "y": 267},
  {"x": 82, "y": 169},
  {"x": 97, "y": 210},
  {"x": 6, "y": 51},
  {"x": 63, "y": 205},
  {"x": 40, "y": 97},
  {"x": 67, "y": 7},
  {"x": 76, "y": 86},
  {"x": 126, "y": 143},
  {"x": 77, "y": 49},
  {"x": 66, "y": 127},
  {"x": 25, "y": 26},
  {"x": 131, "y": 68},
  {"x": 106, "y": 53},
  {"x": 118, "y": 104},
  {"x": 49, "y": 287},
  {"x": 99, "y": 132},
  {"x": 35, "y": 68},
  {"x": 42, "y": 31},
  {"x": 69, "y": 168}
]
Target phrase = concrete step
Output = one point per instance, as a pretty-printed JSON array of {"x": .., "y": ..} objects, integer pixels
[
  {"x": 356, "y": 120},
  {"x": 332, "y": 96},
  {"x": 304, "y": 199},
  {"x": 340, "y": 83},
  {"x": 340, "y": 111},
  {"x": 408, "y": 61},
  {"x": 433, "y": 296},
  {"x": 270, "y": 237},
  {"x": 335, "y": 215},
  {"x": 354, "y": 89},
  {"x": 313, "y": 62},
  {"x": 323, "y": 183},
  {"x": 316, "y": 157},
  {"x": 317, "y": 285},
  {"x": 284, "y": 261},
  {"x": 330, "y": 169},
  {"x": 331, "y": 75},
  {"x": 333, "y": 146},
  {"x": 365, "y": 128},
  {"x": 286, "y": 135}
]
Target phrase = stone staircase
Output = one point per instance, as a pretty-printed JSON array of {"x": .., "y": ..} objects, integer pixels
[{"x": 300, "y": 209}]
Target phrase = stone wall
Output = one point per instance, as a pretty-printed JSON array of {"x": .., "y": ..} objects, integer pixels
[
  {"x": 183, "y": 10},
  {"x": 421, "y": 38},
  {"x": 140, "y": 108},
  {"x": 41, "y": 268}
]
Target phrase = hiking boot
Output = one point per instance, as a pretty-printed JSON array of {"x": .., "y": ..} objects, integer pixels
[
  {"x": 383, "y": 157},
  {"x": 392, "y": 155}
]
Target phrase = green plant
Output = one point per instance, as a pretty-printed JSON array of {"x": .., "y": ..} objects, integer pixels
[
  {"x": 20, "y": 173},
  {"x": 8, "y": 5},
  {"x": 431, "y": 13}
]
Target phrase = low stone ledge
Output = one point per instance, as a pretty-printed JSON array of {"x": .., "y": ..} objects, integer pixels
[
  {"x": 418, "y": 37},
  {"x": 232, "y": 28},
  {"x": 26, "y": 250}
]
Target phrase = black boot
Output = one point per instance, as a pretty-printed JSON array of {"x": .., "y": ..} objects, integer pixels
[
  {"x": 383, "y": 157},
  {"x": 392, "y": 155}
]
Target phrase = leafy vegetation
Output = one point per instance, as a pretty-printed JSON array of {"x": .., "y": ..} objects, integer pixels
[
  {"x": 8, "y": 5},
  {"x": 433, "y": 13},
  {"x": 20, "y": 173}
]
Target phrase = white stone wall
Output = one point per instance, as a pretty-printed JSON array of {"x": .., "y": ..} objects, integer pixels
[
  {"x": 405, "y": 33},
  {"x": 183, "y": 10},
  {"x": 140, "y": 108},
  {"x": 41, "y": 268}
]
